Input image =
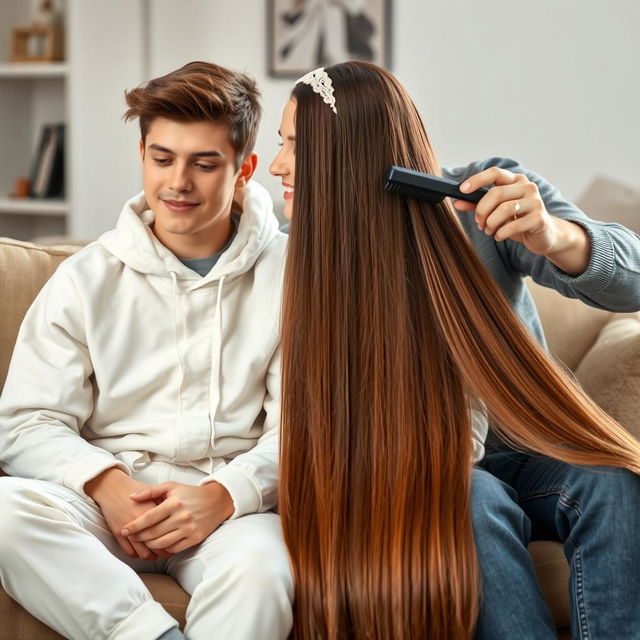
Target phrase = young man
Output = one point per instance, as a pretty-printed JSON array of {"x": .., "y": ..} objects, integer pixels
[{"x": 140, "y": 412}]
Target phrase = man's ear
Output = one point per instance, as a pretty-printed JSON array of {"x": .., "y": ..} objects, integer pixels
[
  {"x": 247, "y": 170},
  {"x": 142, "y": 149}
]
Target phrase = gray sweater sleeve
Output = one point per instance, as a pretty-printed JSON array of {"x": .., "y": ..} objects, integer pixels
[{"x": 612, "y": 278}]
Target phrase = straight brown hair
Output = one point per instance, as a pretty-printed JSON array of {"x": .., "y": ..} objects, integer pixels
[
  {"x": 391, "y": 325},
  {"x": 201, "y": 91}
]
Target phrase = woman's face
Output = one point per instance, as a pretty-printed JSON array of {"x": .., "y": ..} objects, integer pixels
[{"x": 284, "y": 164}]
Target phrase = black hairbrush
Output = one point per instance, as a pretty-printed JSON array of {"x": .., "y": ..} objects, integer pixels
[{"x": 424, "y": 186}]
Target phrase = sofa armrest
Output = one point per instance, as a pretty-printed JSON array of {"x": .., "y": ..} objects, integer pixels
[{"x": 25, "y": 267}]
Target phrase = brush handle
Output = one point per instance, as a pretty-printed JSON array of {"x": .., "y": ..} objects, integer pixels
[{"x": 416, "y": 183}]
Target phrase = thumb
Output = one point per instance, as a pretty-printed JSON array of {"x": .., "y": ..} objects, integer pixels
[
  {"x": 152, "y": 493},
  {"x": 463, "y": 205}
]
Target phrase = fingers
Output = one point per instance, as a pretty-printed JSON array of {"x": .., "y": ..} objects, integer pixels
[
  {"x": 509, "y": 230},
  {"x": 151, "y": 533},
  {"x": 125, "y": 545},
  {"x": 463, "y": 205},
  {"x": 505, "y": 213},
  {"x": 141, "y": 496},
  {"x": 152, "y": 493},
  {"x": 506, "y": 186},
  {"x": 515, "y": 228},
  {"x": 496, "y": 198},
  {"x": 142, "y": 550},
  {"x": 185, "y": 543},
  {"x": 135, "y": 549},
  {"x": 491, "y": 176},
  {"x": 511, "y": 208},
  {"x": 166, "y": 541},
  {"x": 148, "y": 519}
]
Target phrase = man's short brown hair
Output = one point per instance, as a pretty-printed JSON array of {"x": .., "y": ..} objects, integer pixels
[{"x": 201, "y": 91}]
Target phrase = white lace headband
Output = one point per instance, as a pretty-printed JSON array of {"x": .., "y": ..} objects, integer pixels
[{"x": 320, "y": 82}]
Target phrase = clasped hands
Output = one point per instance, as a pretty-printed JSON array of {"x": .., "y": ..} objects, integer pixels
[
  {"x": 182, "y": 517},
  {"x": 156, "y": 521}
]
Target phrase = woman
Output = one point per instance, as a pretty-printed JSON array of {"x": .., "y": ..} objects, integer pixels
[{"x": 392, "y": 328}]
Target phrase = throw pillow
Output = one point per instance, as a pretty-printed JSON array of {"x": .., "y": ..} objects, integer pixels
[{"x": 610, "y": 372}]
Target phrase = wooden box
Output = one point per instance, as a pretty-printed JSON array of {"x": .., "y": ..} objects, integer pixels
[{"x": 37, "y": 44}]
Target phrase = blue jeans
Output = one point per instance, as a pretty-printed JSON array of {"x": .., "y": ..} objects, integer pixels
[{"x": 593, "y": 511}]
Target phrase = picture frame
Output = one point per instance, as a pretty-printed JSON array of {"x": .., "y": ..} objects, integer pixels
[{"x": 306, "y": 34}]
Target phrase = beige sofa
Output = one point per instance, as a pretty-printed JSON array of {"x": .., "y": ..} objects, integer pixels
[{"x": 602, "y": 348}]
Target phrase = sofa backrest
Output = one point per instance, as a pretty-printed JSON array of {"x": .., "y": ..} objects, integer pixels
[
  {"x": 610, "y": 200},
  {"x": 570, "y": 326},
  {"x": 24, "y": 268}
]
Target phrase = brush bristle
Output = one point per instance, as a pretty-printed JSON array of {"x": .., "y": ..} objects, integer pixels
[{"x": 413, "y": 192}]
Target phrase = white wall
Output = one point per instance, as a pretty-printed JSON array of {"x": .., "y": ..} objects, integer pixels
[
  {"x": 551, "y": 83},
  {"x": 106, "y": 56}
]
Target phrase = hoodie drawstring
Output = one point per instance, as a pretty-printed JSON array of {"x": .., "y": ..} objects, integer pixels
[
  {"x": 216, "y": 357},
  {"x": 176, "y": 310},
  {"x": 216, "y": 350}
]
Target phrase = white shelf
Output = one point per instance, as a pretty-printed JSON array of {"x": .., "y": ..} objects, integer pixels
[
  {"x": 22, "y": 70},
  {"x": 34, "y": 206}
]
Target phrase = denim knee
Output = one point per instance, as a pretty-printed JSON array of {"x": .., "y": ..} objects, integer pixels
[
  {"x": 601, "y": 488},
  {"x": 495, "y": 509}
]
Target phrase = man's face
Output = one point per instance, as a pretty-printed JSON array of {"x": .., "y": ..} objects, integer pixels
[{"x": 189, "y": 182}]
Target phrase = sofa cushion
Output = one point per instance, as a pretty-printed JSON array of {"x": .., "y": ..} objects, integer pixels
[
  {"x": 610, "y": 372},
  {"x": 25, "y": 268},
  {"x": 570, "y": 326},
  {"x": 18, "y": 624},
  {"x": 553, "y": 575}
]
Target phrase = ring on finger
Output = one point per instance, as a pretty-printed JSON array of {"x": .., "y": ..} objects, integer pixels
[{"x": 516, "y": 209}]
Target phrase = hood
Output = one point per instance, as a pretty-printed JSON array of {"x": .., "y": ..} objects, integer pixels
[{"x": 133, "y": 242}]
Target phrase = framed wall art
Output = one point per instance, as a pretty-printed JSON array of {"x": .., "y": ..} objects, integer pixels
[{"x": 306, "y": 34}]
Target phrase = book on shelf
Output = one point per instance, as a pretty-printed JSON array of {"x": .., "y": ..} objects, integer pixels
[{"x": 47, "y": 172}]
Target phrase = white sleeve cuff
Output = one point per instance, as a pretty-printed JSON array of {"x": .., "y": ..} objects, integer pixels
[
  {"x": 479, "y": 430},
  {"x": 88, "y": 467},
  {"x": 241, "y": 487}
]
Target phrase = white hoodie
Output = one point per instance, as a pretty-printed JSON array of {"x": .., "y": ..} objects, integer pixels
[{"x": 128, "y": 358}]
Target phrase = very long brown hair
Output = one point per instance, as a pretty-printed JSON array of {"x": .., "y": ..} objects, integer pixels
[{"x": 390, "y": 325}]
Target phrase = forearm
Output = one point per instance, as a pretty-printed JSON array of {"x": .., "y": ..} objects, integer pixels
[
  {"x": 251, "y": 478},
  {"x": 602, "y": 269},
  {"x": 572, "y": 250},
  {"x": 219, "y": 497},
  {"x": 106, "y": 483}
]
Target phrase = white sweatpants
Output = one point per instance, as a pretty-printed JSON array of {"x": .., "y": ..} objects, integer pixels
[{"x": 59, "y": 560}]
